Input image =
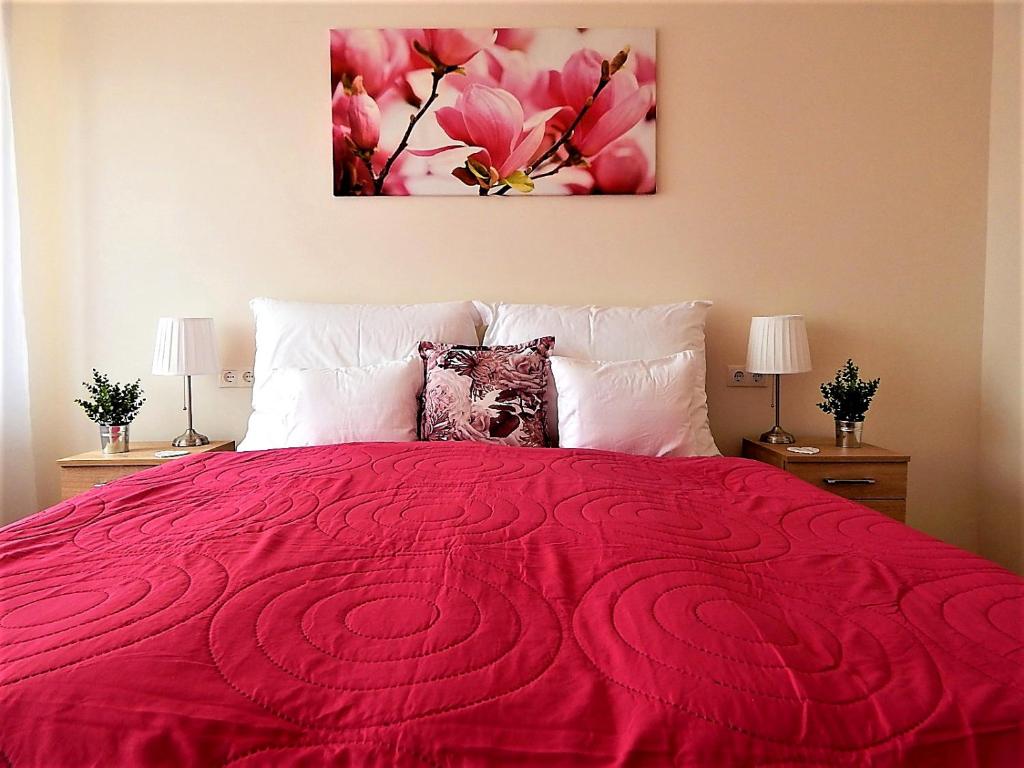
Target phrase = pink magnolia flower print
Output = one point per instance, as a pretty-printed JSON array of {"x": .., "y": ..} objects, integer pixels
[
  {"x": 645, "y": 70},
  {"x": 351, "y": 176},
  {"x": 378, "y": 56},
  {"x": 363, "y": 118},
  {"x": 516, "y": 39},
  {"x": 454, "y": 47},
  {"x": 622, "y": 169},
  {"x": 486, "y": 394},
  {"x": 493, "y": 112},
  {"x": 500, "y": 68},
  {"x": 491, "y": 120},
  {"x": 621, "y": 104},
  {"x": 357, "y": 114}
]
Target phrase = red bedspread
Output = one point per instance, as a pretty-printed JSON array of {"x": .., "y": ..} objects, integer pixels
[{"x": 450, "y": 605}]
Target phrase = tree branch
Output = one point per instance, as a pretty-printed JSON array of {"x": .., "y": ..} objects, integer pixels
[
  {"x": 365, "y": 157},
  {"x": 566, "y": 134},
  {"x": 568, "y": 161},
  {"x": 573, "y": 125},
  {"x": 437, "y": 76}
]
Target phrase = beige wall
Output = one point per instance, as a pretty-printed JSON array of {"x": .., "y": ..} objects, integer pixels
[
  {"x": 1001, "y": 511},
  {"x": 829, "y": 160}
]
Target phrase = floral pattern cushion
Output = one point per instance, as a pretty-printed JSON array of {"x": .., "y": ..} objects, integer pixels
[{"x": 487, "y": 394}]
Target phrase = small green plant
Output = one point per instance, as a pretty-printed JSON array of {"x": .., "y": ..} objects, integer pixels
[
  {"x": 111, "y": 403},
  {"x": 847, "y": 397}
]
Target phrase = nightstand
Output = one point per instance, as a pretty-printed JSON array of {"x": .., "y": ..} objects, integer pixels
[
  {"x": 869, "y": 475},
  {"x": 92, "y": 469}
]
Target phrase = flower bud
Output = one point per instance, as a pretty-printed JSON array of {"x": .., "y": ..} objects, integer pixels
[
  {"x": 619, "y": 60},
  {"x": 363, "y": 117}
]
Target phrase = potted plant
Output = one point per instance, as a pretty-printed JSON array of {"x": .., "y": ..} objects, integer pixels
[
  {"x": 113, "y": 407},
  {"x": 847, "y": 398}
]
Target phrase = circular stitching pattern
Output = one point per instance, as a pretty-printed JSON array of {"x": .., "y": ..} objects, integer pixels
[
  {"x": 638, "y": 472},
  {"x": 321, "y": 635},
  {"x": 828, "y": 523},
  {"x": 32, "y": 608},
  {"x": 271, "y": 644},
  {"x": 826, "y": 691},
  {"x": 459, "y": 465},
  {"x": 140, "y": 600},
  {"x": 57, "y": 524},
  {"x": 757, "y": 478},
  {"x": 690, "y": 524},
  {"x": 955, "y": 613},
  {"x": 192, "y": 520},
  {"x": 843, "y": 526},
  {"x": 406, "y": 520},
  {"x": 253, "y": 468},
  {"x": 700, "y": 609},
  {"x": 435, "y": 614}
]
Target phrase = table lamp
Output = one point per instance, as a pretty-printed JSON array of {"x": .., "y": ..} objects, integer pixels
[
  {"x": 778, "y": 345},
  {"x": 185, "y": 346}
]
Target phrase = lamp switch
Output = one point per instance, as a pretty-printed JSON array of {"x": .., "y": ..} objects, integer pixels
[
  {"x": 235, "y": 377},
  {"x": 740, "y": 377}
]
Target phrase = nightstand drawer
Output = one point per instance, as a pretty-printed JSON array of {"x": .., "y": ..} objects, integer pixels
[
  {"x": 76, "y": 480},
  {"x": 894, "y": 508},
  {"x": 856, "y": 480}
]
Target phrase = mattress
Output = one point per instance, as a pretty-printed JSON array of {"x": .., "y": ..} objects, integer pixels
[{"x": 467, "y": 605}]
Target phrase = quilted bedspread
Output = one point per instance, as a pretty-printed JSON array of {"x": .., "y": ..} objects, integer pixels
[{"x": 466, "y": 605}]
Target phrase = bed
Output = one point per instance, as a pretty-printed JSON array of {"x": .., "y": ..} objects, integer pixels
[{"x": 432, "y": 604}]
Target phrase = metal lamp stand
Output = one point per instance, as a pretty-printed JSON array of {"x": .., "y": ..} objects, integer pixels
[
  {"x": 777, "y": 435},
  {"x": 190, "y": 438}
]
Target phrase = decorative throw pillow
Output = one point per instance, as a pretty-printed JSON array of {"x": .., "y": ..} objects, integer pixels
[{"x": 487, "y": 394}]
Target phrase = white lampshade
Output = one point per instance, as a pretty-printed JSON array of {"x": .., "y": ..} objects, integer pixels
[
  {"x": 778, "y": 345},
  {"x": 185, "y": 346}
]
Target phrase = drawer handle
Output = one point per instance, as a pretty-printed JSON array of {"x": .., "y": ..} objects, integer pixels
[
  {"x": 98, "y": 485},
  {"x": 849, "y": 481}
]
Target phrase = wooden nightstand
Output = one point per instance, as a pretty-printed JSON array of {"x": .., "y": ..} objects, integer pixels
[
  {"x": 88, "y": 470},
  {"x": 872, "y": 476}
]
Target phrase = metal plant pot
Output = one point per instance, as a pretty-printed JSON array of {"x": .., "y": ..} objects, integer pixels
[
  {"x": 849, "y": 434},
  {"x": 113, "y": 438}
]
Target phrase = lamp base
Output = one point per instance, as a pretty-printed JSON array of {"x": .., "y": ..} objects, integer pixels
[
  {"x": 190, "y": 439},
  {"x": 777, "y": 436}
]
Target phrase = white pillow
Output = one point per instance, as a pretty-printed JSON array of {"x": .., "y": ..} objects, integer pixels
[
  {"x": 326, "y": 406},
  {"x": 601, "y": 333},
  {"x": 294, "y": 334},
  {"x": 647, "y": 407}
]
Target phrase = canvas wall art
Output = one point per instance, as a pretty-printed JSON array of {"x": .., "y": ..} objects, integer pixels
[{"x": 493, "y": 112}]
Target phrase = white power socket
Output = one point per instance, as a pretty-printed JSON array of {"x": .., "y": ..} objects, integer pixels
[
  {"x": 739, "y": 377},
  {"x": 235, "y": 377}
]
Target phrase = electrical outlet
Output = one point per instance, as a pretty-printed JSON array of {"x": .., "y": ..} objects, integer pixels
[
  {"x": 236, "y": 377},
  {"x": 739, "y": 377}
]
